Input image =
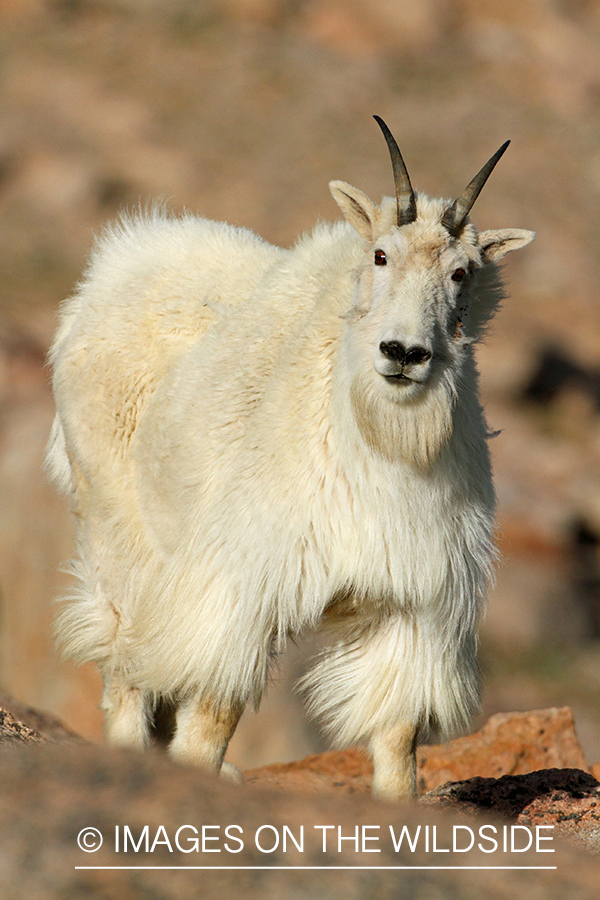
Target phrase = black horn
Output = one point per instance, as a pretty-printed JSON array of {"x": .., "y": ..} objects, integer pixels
[
  {"x": 455, "y": 216},
  {"x": 405, "y": 196}
]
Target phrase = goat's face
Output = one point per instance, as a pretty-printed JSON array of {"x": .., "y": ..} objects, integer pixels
[
  {"x": 411, "y": 302},
  {"x": 423, "y": 295},
  {"x": 413, "y": 295},
  {"x": 426, "y": 288}
]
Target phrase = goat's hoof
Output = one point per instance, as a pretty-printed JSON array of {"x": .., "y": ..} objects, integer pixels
[{"x": 230, "y": 773}]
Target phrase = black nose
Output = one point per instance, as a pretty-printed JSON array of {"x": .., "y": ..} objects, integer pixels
[{"x": 398, "y": 352}]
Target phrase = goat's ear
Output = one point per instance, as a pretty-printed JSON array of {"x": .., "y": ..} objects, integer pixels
[
  {"x": 361, "y": 212},
  {"x": 496, "y": 244}
]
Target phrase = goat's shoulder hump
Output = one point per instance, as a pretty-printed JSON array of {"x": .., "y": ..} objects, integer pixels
[{"x": 171, "y": 240}]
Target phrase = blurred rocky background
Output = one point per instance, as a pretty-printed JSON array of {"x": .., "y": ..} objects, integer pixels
[{"x": 243, "y": 110}]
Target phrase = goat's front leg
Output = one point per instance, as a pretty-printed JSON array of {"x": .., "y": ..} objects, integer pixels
[
  {"x": 127, "y": 713},
  {"x": 203, "y": 731},
  {"x": 394, "y": 761}
]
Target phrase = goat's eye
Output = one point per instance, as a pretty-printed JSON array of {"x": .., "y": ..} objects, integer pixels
[
  {"x": 458, "y": 275},
  {"x": 380, "y": 258}
]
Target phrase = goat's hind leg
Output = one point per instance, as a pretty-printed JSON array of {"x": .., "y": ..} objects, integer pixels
[
  {"x": 127, "y": 713},
  {"x": 203, "y": 731}
]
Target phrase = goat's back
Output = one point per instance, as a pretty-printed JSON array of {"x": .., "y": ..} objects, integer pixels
[{"x": 154, "y": 285}]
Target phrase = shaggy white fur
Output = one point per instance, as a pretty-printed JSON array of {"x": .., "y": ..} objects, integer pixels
[{"x": 245, "y": 462}]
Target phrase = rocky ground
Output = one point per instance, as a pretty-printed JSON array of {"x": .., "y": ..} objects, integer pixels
[{"x": 511, "y": 810}]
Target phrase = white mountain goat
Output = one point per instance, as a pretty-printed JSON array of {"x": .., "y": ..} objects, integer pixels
[{"x": 257, "y": 441}]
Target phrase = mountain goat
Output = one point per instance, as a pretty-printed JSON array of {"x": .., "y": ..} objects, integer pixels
[{"x": 256, "y": 441}]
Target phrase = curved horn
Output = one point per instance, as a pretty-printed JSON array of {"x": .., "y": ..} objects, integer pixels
[
  {"x": 405, "y": 196},
  {"x": 455, "y": 216}
]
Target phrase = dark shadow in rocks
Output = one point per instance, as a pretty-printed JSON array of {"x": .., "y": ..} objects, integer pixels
[
  {"x": 556, "y": 370},
  {"x": 584, "y": 564},
  {"x": 509, "y": 795}
]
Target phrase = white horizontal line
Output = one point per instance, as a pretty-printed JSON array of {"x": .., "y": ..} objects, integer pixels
[{"x": 324, "y": 868}]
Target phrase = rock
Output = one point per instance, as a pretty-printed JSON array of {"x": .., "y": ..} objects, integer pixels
[
  {"x": 508, "y": 744},
  {"x": 51, "y": 795},
  {"x": 566, "y": 799},
  {"x": 56, "y": 798},
  {"x": 14, "y": 732},
  {"x": 31, "y": 724},
  {"x": 343, "y": 771}
]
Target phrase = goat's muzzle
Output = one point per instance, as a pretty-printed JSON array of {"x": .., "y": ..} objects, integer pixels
[{"x": 401, "y": 363}]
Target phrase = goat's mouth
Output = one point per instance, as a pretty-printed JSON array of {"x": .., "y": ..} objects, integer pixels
[
  {"x": 397, "y": 376},
  {"x": 402, "y": 385},
  {"x": 401, "y": 378}
]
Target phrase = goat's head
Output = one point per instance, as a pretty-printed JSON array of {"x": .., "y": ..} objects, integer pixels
[{"x": 427, "y": 285}]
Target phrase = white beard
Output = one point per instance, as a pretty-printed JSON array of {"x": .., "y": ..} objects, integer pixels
[{"x": 415, "y": 431}]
